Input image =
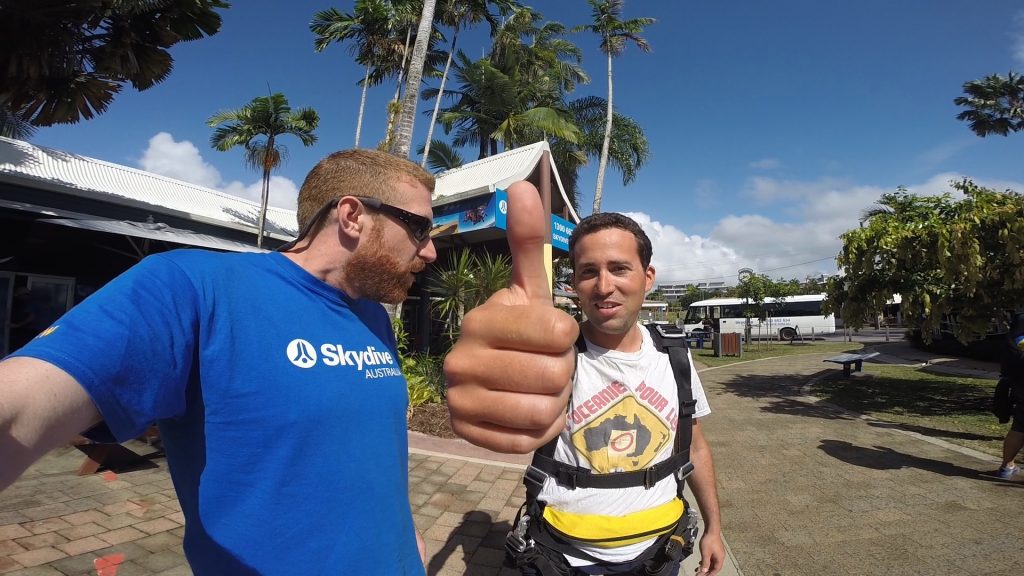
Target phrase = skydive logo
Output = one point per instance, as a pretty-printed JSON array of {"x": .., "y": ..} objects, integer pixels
[
  {"x": 301, "y": 353},
  {"x": 304, "y": 355}
]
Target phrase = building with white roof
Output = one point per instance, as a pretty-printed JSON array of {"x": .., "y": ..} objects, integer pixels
[{"x": 70, "y": 223}]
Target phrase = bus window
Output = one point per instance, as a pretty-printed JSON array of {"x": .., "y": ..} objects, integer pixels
[{"x": 695, "y": 314}]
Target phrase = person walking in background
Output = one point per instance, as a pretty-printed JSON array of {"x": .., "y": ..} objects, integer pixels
[
  {"x": 1012, "y": 369},
  {"x": 274, "y": 379}
]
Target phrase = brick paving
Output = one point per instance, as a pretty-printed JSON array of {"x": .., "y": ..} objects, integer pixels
[{"x": 806, "y": 489}]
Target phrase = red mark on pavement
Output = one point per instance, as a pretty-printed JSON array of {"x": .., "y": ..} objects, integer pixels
[
  {"x": 107, "y": 565},
  {"x": 109, "y": 476}
]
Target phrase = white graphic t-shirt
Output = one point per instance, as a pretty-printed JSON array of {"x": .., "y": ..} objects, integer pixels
[{"x": 622, "y": 417}]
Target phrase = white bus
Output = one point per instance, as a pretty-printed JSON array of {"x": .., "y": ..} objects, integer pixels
[{"x": 795, "y": 315}]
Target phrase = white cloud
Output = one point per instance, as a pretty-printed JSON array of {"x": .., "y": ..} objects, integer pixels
[
  {"x": 183, "y": 161},
  {"x": 179, "y": 160},
  {"x": 806, "y": 245},
  {"x": 678, "y": 256},
  {"x": 765, "y": 164},
  {"x": 283, "y": 192}
]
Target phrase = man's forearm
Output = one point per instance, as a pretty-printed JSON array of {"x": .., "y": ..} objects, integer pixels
[
  {"x": 41, "y": 407},
  {"x": 15, "y": 456}
]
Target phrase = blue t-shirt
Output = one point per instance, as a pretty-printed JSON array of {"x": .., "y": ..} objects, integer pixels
[{"x": 280, "y": 403}]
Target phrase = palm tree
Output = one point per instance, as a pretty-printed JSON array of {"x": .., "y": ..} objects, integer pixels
[
  {"x": 15, "y": 126},
  {"x": 995, "y": 104},
  {"x": 257, "y": 126},
  {"x": 493, "y": 107},
  {"x": 442, "y": 156},
  {"x": 366, "y": 27},
  {"x": 402, "y": 140},
  {"x": 65, "y": 61},
  {"x": 615, "y": 33},
  {"x": 457, "y": 14},
  {"x": 465, "y": 282},
  {"x": 516, "y": 94},
  {"x": 628, "y": 148}
]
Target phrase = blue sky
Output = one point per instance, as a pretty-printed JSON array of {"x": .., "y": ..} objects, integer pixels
[{"x": 771, "y": 124}]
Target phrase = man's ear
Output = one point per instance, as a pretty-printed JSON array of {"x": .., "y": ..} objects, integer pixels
[
  {"x": 348, "y": 215},
  {"x": 650, "y": 278}
]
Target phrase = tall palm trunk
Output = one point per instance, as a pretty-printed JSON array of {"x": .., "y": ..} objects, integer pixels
[
  {"x": 437, "y": 102},
  {"x": 393, "y": 106},
  {"x": 407, "y": 114},
  {"x": 264, "y": 200},
  {"x": 603, "y": 164},
  {"x": 362, "y": 105}
]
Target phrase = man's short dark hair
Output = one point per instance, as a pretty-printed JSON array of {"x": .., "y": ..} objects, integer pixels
[{"x": 604, "y": 220}]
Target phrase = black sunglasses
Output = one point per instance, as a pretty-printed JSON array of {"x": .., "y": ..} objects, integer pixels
[{"x": 419, "y": 226}]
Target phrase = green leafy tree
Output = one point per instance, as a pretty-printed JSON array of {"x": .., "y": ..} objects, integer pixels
[
  {"x": 257, "y": 127},
  {"x": 995, "y": 104},
  {"x": 424, "y": 378},
  {"x": 367, "y": 28},
  {"x": 945, "y": 256},
  {"x": 65, "y": 61},
  {"x": 615, "y": 34}
]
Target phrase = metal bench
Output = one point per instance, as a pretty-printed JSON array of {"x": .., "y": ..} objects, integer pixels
[
  {"x": 696, "y": 339},
  {"x": 856, "y": 360}
]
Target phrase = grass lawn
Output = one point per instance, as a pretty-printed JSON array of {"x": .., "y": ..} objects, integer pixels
[
  {"x": 952, "y": 408},
  {"x": 760, "y": 350}
]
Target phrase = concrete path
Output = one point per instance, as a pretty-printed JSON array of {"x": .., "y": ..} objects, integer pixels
[
  {"x": 806, "y": 488},
  {"x": 809, "y": 489}
]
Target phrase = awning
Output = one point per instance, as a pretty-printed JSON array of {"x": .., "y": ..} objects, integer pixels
[
  {"x": 149, "y": 230},
  {"x": 154, "y": 231}
]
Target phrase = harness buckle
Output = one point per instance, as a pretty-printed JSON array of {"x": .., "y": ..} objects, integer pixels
[
  {"x": 534, "y": 477},
  {"x": 649, "y": 481},
  {"x": 516, "y": 542}
]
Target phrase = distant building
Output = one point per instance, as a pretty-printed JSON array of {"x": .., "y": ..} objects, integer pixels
[{"x": 672, "y": 292}]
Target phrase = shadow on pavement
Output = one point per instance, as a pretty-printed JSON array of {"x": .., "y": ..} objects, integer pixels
[
  {"x": 884, "y": 458},
  {"x": 923, "y": 396},
  {"x": 936, "y": 432},
  {"x": 482, "y": 544},
  {"x": 783, "y": 394}
]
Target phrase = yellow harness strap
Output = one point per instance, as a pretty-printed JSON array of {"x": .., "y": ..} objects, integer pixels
[{"x": 614, "y": 531}]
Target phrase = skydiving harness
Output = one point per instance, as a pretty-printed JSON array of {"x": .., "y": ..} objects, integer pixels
[{"x": 530, "y": 528}]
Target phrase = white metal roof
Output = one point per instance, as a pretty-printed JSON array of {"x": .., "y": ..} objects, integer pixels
[
  {"x": 33, "y": 166},
  {"x": 498, "y": 171}
]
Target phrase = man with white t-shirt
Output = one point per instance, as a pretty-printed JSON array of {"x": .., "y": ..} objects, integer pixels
[{"x": 622, "y": 417}]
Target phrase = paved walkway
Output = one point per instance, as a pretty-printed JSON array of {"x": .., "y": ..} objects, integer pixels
[{"x": 806, "y": 489}]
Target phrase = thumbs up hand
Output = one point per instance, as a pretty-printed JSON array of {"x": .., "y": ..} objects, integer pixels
[{"x": 509, "y": 375}]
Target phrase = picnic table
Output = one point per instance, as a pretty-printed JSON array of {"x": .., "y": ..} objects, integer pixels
[{"x": 848, "y": 360}]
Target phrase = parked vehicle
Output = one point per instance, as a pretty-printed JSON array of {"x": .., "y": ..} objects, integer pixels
[{"x": 785, "y": 318}]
